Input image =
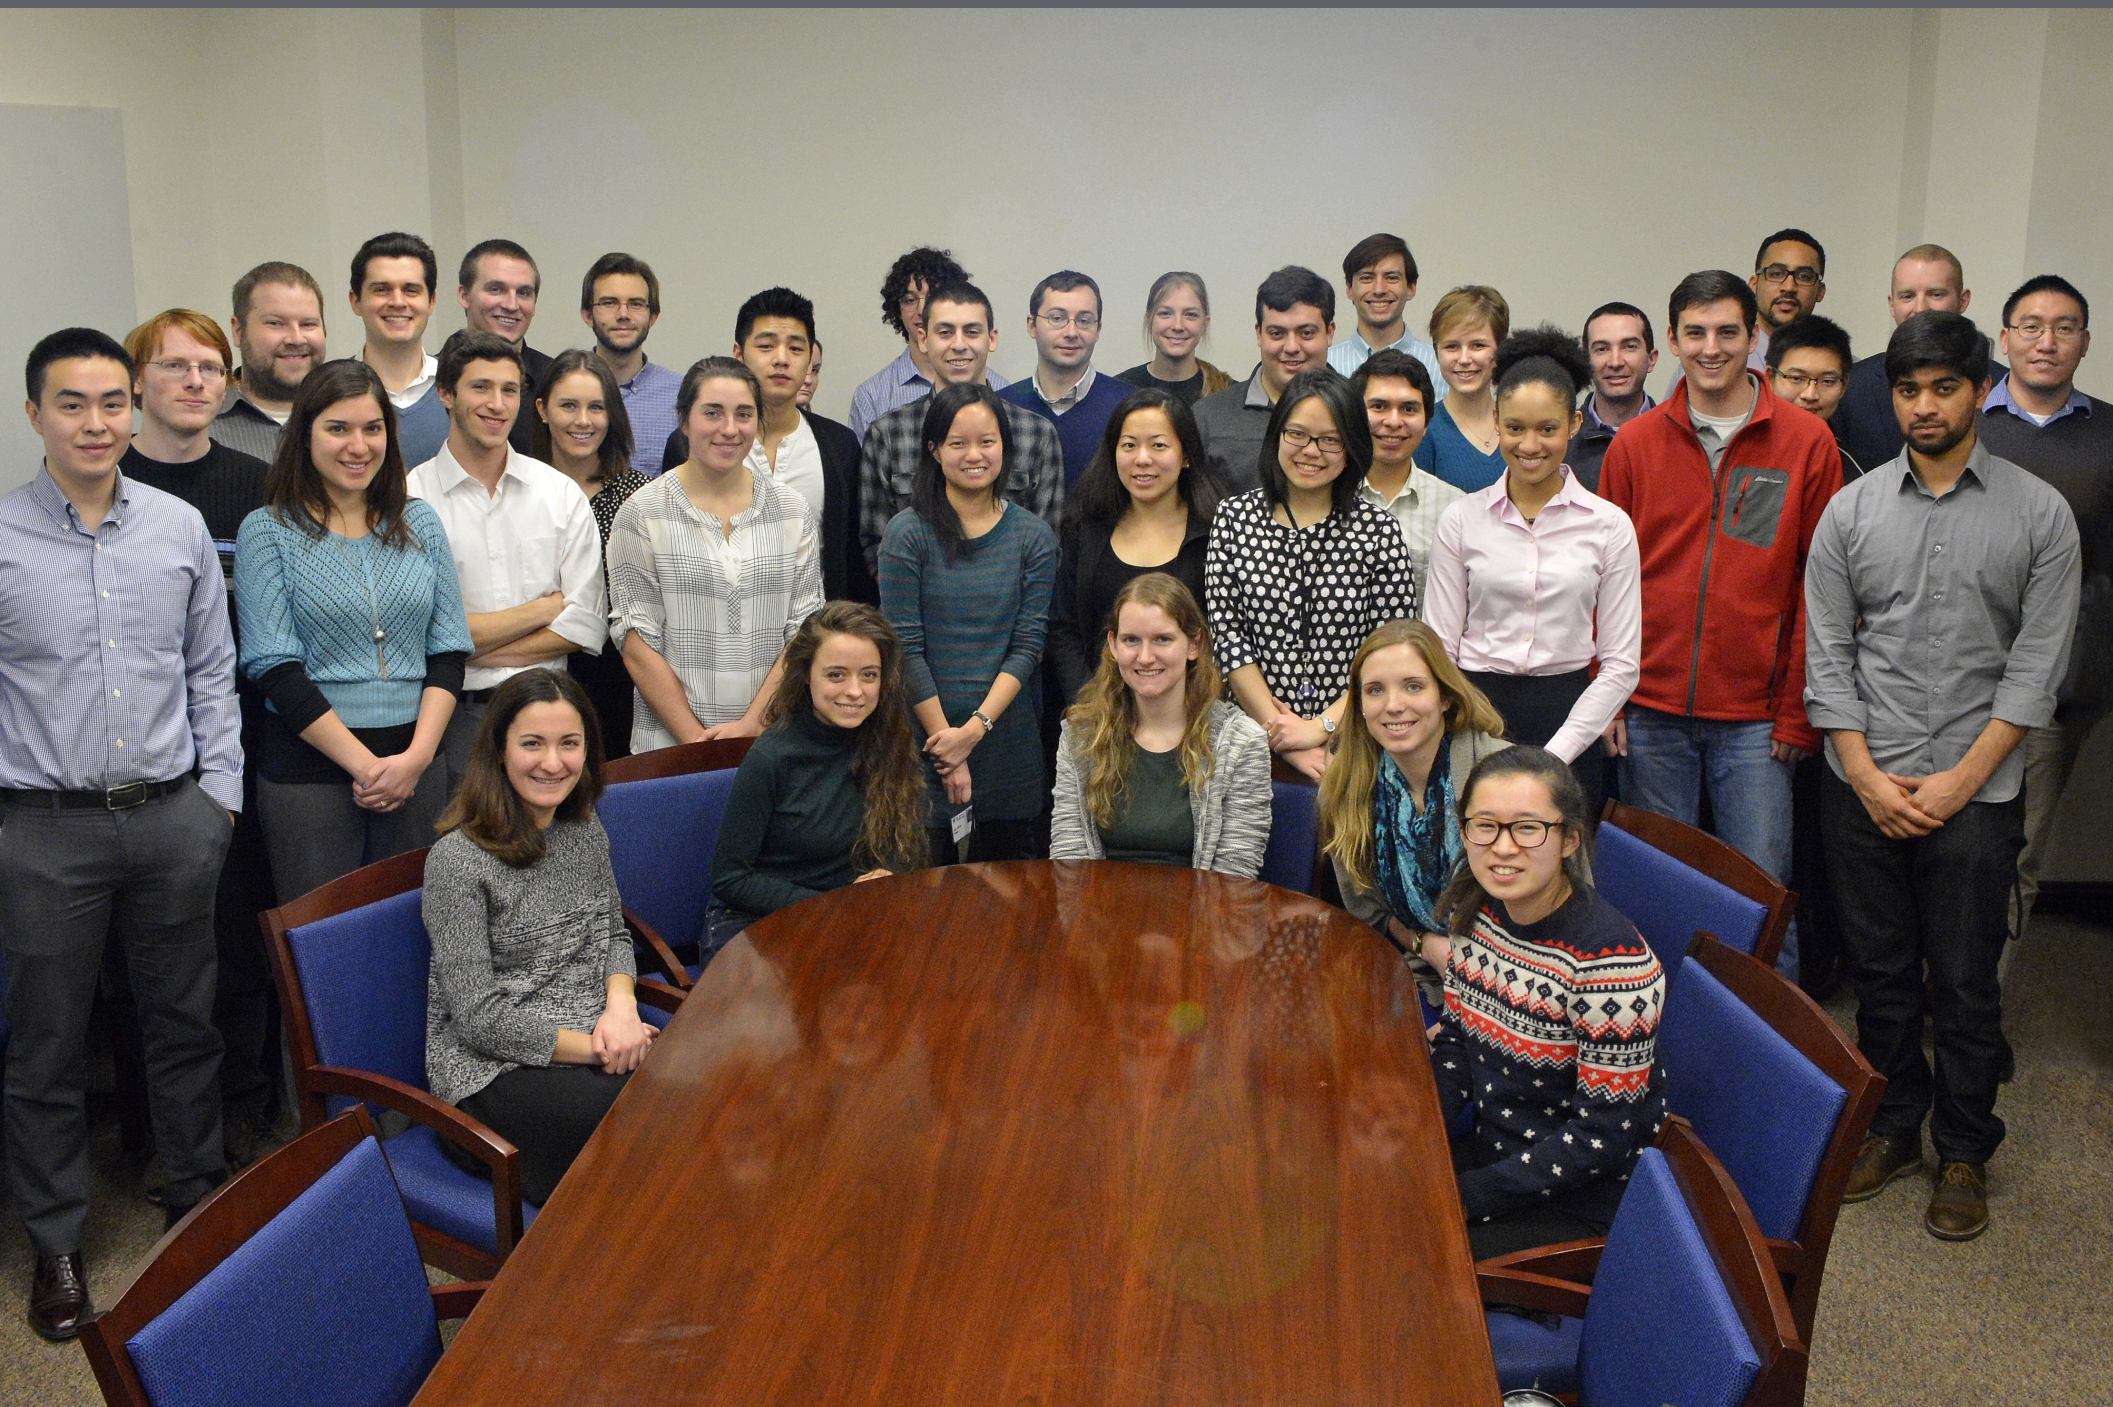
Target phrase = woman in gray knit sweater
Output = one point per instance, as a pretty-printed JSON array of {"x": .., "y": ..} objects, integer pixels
[
  {"x": 1153, "y": 766},
  {"x": 532, "y": 1024}
]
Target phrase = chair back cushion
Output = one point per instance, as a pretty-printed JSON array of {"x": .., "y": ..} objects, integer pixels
[
  {"x": 1660, "y": 1325},
  {"x": 363, "y": 975},
  {"x": 1766, "y": 1111},
  {"x": 326, "y": 1306},
  {"x": 1668, "y": 900},
  {"x": 662, "y": 834},
  {"x": 1288, "y": 862}
]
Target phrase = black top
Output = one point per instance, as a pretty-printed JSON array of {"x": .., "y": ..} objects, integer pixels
[
  {"x": 845, "y": 576},
  {"x": 1187, "y": 392},
  {"x": 791, "y": 820},
  {"x": 533, "y": 365},
  {"x": 225, "y": 486},
  {"x": 610, "y": 496},
  {"x": 1089, "y": 577}
]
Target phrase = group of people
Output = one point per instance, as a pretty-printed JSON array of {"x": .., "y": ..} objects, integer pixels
[{"x": 308, "y": 614}]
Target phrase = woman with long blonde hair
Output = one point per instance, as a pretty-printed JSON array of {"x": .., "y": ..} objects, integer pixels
[
  {"x": 1153, "y": 765},
  {"x": 1386, "y": 813}
]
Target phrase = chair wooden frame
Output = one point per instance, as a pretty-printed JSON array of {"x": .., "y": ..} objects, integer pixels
[
  {"x": 212, "y": 1231},
  {"x": 682, "y": 760},
  {"x": 1701, "y": 851},
  {"x": 315, "y": 1082},
  {"x": 1554, "y": 1279},
  {"x": 1322, "y": 884}
]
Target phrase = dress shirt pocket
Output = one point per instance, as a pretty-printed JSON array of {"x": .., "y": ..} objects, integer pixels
[
  {"x": 1753, "y": 505},
  {"x": 531, "y": 568}
]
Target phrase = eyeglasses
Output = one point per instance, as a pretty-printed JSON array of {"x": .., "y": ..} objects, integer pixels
[
  {"x": 1798, "y": 380},
  {"x": 629, "y": 305},
  {"x": 1056, "y": 320},
  {"x": 1804, "y": 275},
  {"x": 2032, "y": 329},
  {"x": 1527, "y": 834},
  {"x": 207, "y": 371},
  {"x": 1298, "y": 439}
]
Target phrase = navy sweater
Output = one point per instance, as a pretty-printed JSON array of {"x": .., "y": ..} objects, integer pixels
[{"x": 1079, "y": 428}]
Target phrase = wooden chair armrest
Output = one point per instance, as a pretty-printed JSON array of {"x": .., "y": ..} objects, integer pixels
[
  {"x": 1539, "y": 1293},
  {"x": 450, "y": 1123},
  {"x": 678, "y": 976},
  {"x": 1788, "y": 1256},
  {"x": 1574, "y": 1261},
  {"x": 657, "y": 994},
  {"x": 455, "y": 1301}
]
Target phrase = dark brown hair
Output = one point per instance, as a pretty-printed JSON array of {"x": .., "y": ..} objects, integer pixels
[
  {"x": 294, "y": 488},
  {"x": 1465, "y": 897},
  {"x": 486, "y": 808},
  {"x": 616, "y": 448}
]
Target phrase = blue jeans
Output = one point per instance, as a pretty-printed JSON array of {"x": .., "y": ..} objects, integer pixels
[{"x": 1671, "y": 759}]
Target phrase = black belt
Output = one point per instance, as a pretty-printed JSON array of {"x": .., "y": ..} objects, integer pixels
[
  {"x": 478, "y": 696},
  {"x": 122, "y": 798}
]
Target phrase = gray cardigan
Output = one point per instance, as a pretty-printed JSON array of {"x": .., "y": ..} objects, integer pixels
[
  {"x": 1231, "y": 811},
  {"x": 518, "y": 955}
]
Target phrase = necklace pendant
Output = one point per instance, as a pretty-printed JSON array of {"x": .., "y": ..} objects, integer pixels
[{"x": 379, "y": 635}]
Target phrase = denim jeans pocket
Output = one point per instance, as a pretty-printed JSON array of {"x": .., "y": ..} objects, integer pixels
[{"x": 1753, "y": 505}]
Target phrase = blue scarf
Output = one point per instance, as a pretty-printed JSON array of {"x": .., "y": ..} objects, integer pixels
[{"x": 1414, "y": 854}]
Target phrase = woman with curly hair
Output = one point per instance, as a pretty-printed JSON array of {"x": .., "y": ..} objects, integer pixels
[{"x": 1153, "y": 766}]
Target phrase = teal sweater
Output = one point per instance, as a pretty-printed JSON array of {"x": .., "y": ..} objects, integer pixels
[{"x": 791, "y": 820}]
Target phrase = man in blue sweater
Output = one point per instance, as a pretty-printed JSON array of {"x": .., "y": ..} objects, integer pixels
[{"x": 1064, "y": 318}]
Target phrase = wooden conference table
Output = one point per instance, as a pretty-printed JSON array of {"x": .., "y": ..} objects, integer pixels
[{"x": 1061, "y": 1134}]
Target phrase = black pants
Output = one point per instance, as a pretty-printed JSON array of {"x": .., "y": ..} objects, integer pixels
[
  {"x": 245, "y": 1008},
  {"x": 1936, "y": 904},
  {"x": 1543, "y": 1224},
  {"x": 548, "y": 1112},
  {"x": 1535, "y": 708},
  {"x": 1820, "y": 947},
  {"x": 991, "y": 840},
  {"x": 608, "y": 686},
  {"x": 72, "y": 882}
]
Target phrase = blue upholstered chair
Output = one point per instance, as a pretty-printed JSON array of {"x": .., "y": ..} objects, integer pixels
[
  {"x": 296, "y": 1282},
  {"x": 1293, "y": 855},
  {"x": 661, "y": 810},
  {"x": 1673, "y": 881},
  {"x": 351, "y": 961},
  {"x": 1684, "y": 1304}
]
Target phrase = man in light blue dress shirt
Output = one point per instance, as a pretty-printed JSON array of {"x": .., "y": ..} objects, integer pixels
[
  {"x": 909, "y": 377},
  {"x": 1379, "y": 276}
]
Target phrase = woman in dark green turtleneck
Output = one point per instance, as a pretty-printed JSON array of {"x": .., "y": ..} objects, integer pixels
[{"x": 833, "y": 790}]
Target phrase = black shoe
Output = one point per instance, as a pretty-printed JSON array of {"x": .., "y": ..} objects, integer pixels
[
  {"x": 173, "y": 1212},
  {"x": 58, "y": 1298}
]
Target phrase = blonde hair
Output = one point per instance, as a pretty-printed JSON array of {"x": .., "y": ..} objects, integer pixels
[
  {"x": 143, "y": 343},
  {"x": 1344, "y": 809},
  {"x": 1467, "y": 305},
  {"x": 1104, "y": 719}
]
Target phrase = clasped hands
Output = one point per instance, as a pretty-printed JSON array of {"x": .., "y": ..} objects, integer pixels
[
  {"x": 949, "y": 749},
  {"x": 1302, "y": 742},
  {"x": 1907, "y": 807},
  {"x": 386, "y": 783},
  {"x": 620, "y": 1040}
]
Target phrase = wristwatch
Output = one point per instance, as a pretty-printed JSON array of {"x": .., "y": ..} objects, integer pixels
[
  {"x": 1327, "y": 724},
  {"x": 981, "y": 717}
]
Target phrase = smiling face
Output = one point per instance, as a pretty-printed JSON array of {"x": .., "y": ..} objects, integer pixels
[
  {"x": 1923, "y": 286},
  {"x": 84, "y": 415},
  {"x": 721, "y": 423},
  {"x": 1315, "y": 464},
  {"x": 1148, "y": 457},
  {"x": 1522, "y": 877},
  {"x": 484, "y": 403},
  {"x": 577, "y": 414},
  {"x": 2046, "y": 362},
  {"x": 394, "y": 300},
  {"x": 347, "y": 442},
  {"x": 1402, "y": 705},
  {"x": 1151, "y": 654},
  {"x": 281, "y": 340},
  {"x": 1398, "y": 417},
  {"x": 779, "y": 352},
  {"x": 1467, "y": 354},
  {"x": 1178, "y": 322},
  {"x": 184, "y": 400},
  {"x": 1620, "y": 357},
  {"x": 1712, "y": 341},
  {"x": 1290, "y": 341},
  {"x": 1382, "y": 291},
  {"x": 621, "y": 313},
  {"x": 958, "y": 340},
  {"x": 1066, "y": 345},
  {"x": 1534, "y": 426},
  {"x": 843, "y": 684},
  {"x": 546, "y": 749},
  {"x": 501, "y": 299},
  {"x": 973, "y": 454}
]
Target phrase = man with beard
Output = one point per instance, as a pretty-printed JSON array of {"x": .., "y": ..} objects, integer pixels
[
  {"x": 1940, "y": 594},
  {"x": 620, "y": 301},
  {"x": 278, "y": 328}
]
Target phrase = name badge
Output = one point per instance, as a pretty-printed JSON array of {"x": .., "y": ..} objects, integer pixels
[{"x": 964, "y": 823}]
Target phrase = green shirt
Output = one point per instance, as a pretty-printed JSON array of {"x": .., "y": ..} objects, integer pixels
[
  {"x": 1154, "y": 825},
  {"x": 791, "y": 820}
]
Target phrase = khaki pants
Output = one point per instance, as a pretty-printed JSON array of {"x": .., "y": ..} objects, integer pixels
[{"x": 2050, "y": 755}]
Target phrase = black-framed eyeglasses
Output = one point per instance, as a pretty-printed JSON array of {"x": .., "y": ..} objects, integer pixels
[
  {"x": 1804, "y": 275},
  {"x": 1298, "y": 439},
  {"x": 1527, "y": 834},
  {"x": 1798, "y": 380}
]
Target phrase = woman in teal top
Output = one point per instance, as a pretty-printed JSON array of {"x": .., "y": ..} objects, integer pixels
[
  {"x": 1467, "y": 327},
  {"x": 352, "y": 626}
]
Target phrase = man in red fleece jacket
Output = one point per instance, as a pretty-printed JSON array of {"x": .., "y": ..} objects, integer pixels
[{"x": 1725, "y": 483}]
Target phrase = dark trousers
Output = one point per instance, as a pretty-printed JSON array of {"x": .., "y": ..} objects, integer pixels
[
  {"x": 1937, "y": 905},
  {"x": 991, "y": 840},
  {"x": 1535, "y": 707},
  {"x": 245, "y": 1007},
  {"x": 316, "y": 832},
  {"x": 1544, "y": 1224},
  {"x": 72, "y": 882},
  {"x": 1820, "y": 949},
  {"x": 548, "y": 1112}
]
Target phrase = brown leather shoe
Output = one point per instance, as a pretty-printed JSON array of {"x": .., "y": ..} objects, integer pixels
[
  {"x": 1878, "y": 1162},
  {"x": 1958, "y": 1209},
  {"x": 58, "y": 1297}
]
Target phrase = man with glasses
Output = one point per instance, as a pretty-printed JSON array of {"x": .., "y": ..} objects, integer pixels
[
  {"x": 278, "y": 327},
  {"x": 1789, "y": 280},
  {"x": 1064, "y": 319},
  {"x": 1379, "y": 275},
  {"x": 1926, "y": 279},
  {"x": 2037, "y": 419},
  {"x": 1808, "y": 366},
  {"x": 1294, "y": 320},
  {"x": 620, "y": 302}
]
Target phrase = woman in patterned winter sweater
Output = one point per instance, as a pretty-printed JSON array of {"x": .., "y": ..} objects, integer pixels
[{"x": 1551, "y": 1016}]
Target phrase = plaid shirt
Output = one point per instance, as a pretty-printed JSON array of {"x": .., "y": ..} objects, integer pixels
[{"x": 1034, "y": 473}]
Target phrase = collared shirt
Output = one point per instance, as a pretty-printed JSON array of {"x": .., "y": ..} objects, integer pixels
[
  {"x": 1353, "y": 352},
  {"x": 649, "y": 399},
  {"x": 116, "y": 661},
  {"x": 1070, "y": 398},
  {"x": 1233, "y": 423},
  {"x": 1547, "y": 597},
  {"x": 887, "y": 468},
  {"x": 899, "y": 383},
  {"x": 241, "y": 424},
  {"x": 717, "y": 608},
  {"x": 415, "y": 392},
  {"x": 1925, "y": 617},
  {"x": 1588, "y": 447},
  {"x": 1423, "y": 497},
  {"x": 535, "y": 534},
  {"x": 799, "y": 465},
  {"x": 1999, "y": 398}
]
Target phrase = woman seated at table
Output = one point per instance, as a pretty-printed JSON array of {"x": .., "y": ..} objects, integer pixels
[
  {"x": 1300, "y": 570},
  {"x": 1540, "y": 963},
  {"x": 1467, "y": 327},
  {"x": 1153, "y": 766},
  {"x": 832, "y": 793},
  {"x": 1143, "y": 505},
  {"x": 1536, "y": 580},
  {"x": 532, "y": 1026},
  {"x": 1387, "y": 820}
]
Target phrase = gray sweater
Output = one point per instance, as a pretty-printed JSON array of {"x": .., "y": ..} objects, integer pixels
[
  {"x": 1231, "y": 811},
  {"x": 518, "y": 955}
]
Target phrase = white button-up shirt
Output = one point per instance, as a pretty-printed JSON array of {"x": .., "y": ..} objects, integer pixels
[
  {"x": 799, "y": 465},
  {"x": 533, "y": 535},
  {"x": 415, "y": 392},
  {"x": 1423, "y": 499},
  {"x": 1548, "y": 597}
]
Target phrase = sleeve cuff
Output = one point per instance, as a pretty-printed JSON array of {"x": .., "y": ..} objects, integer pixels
[
  {"x": 292, "y": 695},
  {"x": 582, "y": 627},
  {"x": 2023, "y": 705},
  {"x": 445, "y": 671},
  {"x": 1838, "y": 716}
]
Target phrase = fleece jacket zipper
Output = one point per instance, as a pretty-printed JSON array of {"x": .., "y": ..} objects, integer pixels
[{"x": 1709, "y": 551}]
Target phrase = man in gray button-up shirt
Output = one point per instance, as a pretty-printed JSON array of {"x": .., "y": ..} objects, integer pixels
[{"x": 1940, "y": 594}]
